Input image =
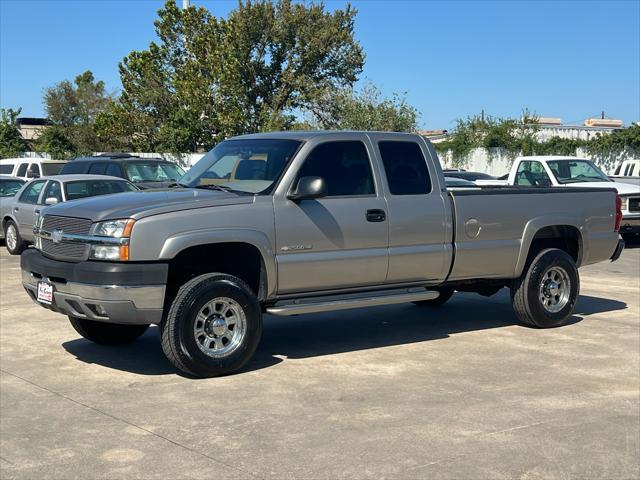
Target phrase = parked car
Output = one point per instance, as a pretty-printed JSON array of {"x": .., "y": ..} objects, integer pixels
[
  {"x": 477, "y": 178},
  {"x": 30, "y": 167},
  {"x": 627, "y": 171},
  {"x": 335, "y": 220},
  {"x": 557, "y": 171},
  {"x": 143, "y": 172},
  {"x": 21, "y": 211},
  {"x": 451, "y": 182},
  {"x": 9, "y": 186}
]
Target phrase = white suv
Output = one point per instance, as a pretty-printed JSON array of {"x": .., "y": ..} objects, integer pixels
[{"x": 28, "y": 168}]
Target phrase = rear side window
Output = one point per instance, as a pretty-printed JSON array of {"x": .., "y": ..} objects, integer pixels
[
  {"x": 22, "y": 170},
  {"x": 113, "y": 170},
  {"x": 532, "y": 174},
  {"x": 6, "y": 169},
  {"x": 344, "y": 166},
  {"x": 406, "y": 168},
  {"x": 74, "y": 168},
  {"x": 32, "y": 192},
  {"x": 97, "y": 168}
]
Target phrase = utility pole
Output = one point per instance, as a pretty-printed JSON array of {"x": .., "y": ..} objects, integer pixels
[
  {"x": 602, "y": 115},
  {"x": 482, "y": 115}
]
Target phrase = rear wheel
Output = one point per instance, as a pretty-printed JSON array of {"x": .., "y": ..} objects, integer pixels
[
  {"x": 14, "y": 243},
  {"x": 213, "y": 327},
  {"x": 107, "y": 333},
  {"x": 546, "y": 293},
  {"x": 445, "y": 294}
]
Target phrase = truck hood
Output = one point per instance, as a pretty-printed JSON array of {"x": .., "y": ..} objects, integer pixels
[
  {"x": 623, "y": 188},
  {"x": 145, "y": 203}
]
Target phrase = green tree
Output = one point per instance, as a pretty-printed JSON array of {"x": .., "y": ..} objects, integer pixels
[
  {"x": 55, "y": 142},
  {"x": 208, "y": 78},
  {"x": 73, "y": 107},
  {"x": 346, "y": 109},
  {"x": 11, "y": 142}
]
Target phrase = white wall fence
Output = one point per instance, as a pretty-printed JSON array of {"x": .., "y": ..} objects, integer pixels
[
  {"x": 184, "y": 159},
  {"x": 497, "y": 162}
]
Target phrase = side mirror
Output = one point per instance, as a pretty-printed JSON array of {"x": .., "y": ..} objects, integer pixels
[
  {"x": 51, "y": 201},
  {"x": 309, "y": 188}
]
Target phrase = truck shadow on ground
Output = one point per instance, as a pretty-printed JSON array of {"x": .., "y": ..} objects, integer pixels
[{"x": 338, "y": 332}]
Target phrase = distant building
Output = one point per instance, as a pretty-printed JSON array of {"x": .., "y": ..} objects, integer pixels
[
  {"x": 549, "y": 127},
  {"x": 435, "y": 136},
  {"x": 31, "y": 128}
]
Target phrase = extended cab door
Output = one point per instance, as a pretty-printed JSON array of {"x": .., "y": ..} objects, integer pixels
[
  {"x": 338, "y": 241},
  {"x": 419, "y": 211}
]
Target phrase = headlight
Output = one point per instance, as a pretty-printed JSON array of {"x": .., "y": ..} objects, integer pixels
[
  {"x": 624, "y": 204},
  {"x": 112, "y": 229}
]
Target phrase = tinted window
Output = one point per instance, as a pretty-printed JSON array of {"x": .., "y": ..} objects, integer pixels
[
  {"x": 344, "y": 166},
  {"x": 406, "y": 168},
  {"x": 52, "y": 168},
  {"x": 53, "y": 190},
  {"x": 6, "y": 169},
  {"x": 8, "y": 188},
  {"x": 22, "y": 170},
  {"x": 113, "y": 170},
  {"x": 93, "y": 188},
  {"x": 97, "y": 168},
  {"x": 34, "y": 168},
  {"x": 532, "y": 174},
  {"x": 74, "y": 167},
  {"x": 32, "y": 192}
]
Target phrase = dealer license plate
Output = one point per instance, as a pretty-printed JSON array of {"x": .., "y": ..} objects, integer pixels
[{"x": 45, "y": 293}]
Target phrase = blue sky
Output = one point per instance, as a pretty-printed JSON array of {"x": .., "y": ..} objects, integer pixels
[{"x": 568, "y": 59}]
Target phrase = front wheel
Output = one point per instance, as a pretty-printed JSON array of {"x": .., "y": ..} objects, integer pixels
[
  {"x": 107, "y": 333},
  {"x": 213, "y": 327},
  {"x": 13, "y": 241},
  {"x": 545, "y": 295}
]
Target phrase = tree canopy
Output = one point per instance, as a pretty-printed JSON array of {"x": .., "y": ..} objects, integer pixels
[{"x": 11, "y": 142}]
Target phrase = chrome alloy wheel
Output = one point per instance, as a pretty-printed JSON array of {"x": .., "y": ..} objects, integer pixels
[
  {"x": 220, "y": 327},
  {"x": 11, "y": 237},
  {"x": 555, "y": 289}
]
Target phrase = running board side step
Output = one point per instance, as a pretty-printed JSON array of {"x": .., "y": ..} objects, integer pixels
[{"x": 346, "y": 301}]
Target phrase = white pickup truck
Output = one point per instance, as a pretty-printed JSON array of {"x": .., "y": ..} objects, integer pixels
[{"x": 559, "y": 171}]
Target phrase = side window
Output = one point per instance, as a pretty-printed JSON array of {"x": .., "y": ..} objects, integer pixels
[
  {"x": 53, "y": 190},
  {"x": 113, "y": 169},
  {"x": 532, "y": 174},
  {"x": 74, "y": 168},
  {"x": 406, "y": 168},
  {"x": 97, "y": 168},
  {"x": 34, "y": 169},
  {"x": 22, "y": 170},
  {"x": 32, "y": 192},
  {"x": 344, "y": 166}
]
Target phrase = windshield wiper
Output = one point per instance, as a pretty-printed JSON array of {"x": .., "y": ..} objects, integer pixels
[{"x": 222, "y": 188}]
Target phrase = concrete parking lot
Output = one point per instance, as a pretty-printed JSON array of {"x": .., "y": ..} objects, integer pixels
[{"x": 393, "y": 392}]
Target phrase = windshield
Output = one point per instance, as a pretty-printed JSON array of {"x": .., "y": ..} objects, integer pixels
[
  {"x": 51, "y": 168},
  {"x": 251, "y": 166},
  {"x": 575, "y": 171},
  {"x": 93, "y": 188},
  {"x": 8, "y": 188},
  {"x": 153, "y": 171}
]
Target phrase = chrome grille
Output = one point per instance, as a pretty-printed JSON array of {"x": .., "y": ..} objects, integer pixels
[
  {"x": 64, "y": 250},
  {"x": 634, "y": 204}
]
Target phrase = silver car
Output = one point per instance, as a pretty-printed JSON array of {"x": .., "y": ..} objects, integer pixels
[
  {"x": 19, "y": 212},
  {"x": 9, "y": 186}
]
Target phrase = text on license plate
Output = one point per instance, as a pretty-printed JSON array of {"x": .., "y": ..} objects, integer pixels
[{"x": 45, "y": 292}]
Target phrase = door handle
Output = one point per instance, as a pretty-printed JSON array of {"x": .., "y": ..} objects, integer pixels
[{"x": 376, "y": 215}]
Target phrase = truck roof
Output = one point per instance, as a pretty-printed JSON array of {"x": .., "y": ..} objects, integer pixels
[
  {"x": 544, "y": 158},
  {"x": 308, "y": 134}
]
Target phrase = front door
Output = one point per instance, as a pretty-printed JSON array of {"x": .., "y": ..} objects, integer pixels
[{"x": 338, "y": 241}]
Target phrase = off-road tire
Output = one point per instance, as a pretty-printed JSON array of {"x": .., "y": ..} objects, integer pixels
[
  {"x": 105, "y": 333},
  {"x": 445, "y": 294},
  {"x": 178, "y": 340},
  {"x": 525, "y": 290},
  {"x": 20, "y": 244}
]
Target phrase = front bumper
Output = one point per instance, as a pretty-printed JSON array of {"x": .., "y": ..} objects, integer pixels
[
  {"x": 630, "y": 224},
  {"x": 127, "y": 293}
]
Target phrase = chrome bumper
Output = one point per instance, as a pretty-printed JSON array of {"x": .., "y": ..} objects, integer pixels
[{"x": 131, "y": 304}]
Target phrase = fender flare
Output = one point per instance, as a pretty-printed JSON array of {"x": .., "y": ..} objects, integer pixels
[
  {"x": 536, "y": 224},
  {"x": 179, "y": 242}
]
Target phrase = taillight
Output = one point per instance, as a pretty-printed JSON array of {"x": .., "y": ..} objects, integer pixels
[{"x": 618, "y": 213}]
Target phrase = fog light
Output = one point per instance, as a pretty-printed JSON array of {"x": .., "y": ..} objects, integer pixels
[{"x": 105, "y": 252}]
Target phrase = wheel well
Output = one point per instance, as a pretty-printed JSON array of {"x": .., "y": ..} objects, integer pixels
[
  {"x": 4, "y": 221},
  {"x": 238, "y": 259},
  {"x": 563, "y": 237}
]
